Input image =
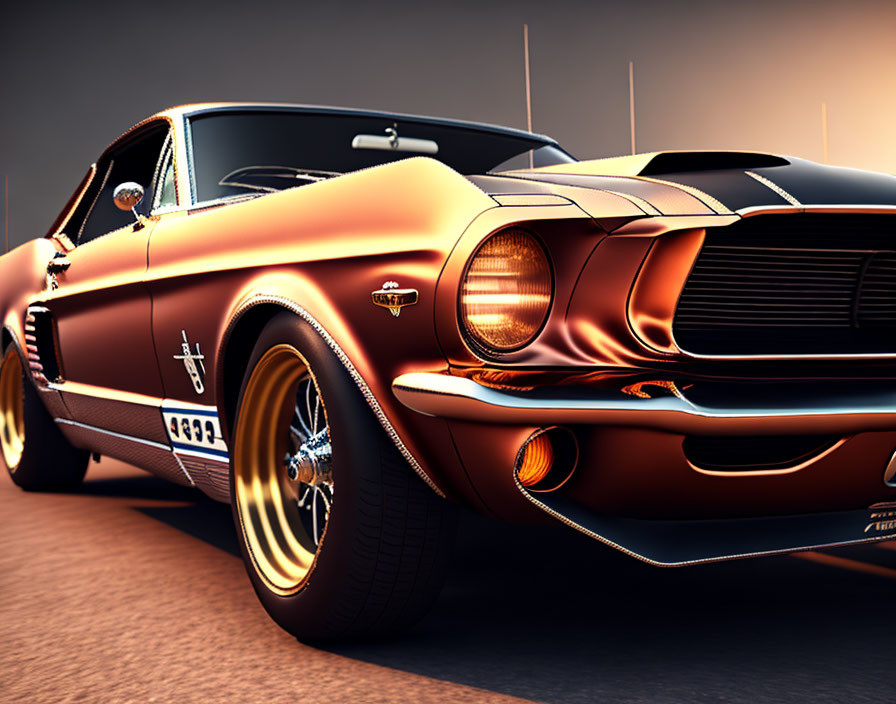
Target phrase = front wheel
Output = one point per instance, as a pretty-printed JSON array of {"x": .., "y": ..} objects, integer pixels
[{"x": 339, "y": 537}]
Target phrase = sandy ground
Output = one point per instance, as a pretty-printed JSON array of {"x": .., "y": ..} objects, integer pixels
[
  {"x": 101, "y": 600},
  {"x": 131, "y": 590}
]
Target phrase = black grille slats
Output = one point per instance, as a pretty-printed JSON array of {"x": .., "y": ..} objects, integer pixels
[
  {"x": 737, "y": 285},
  {"x": 797, "y": 284},
  {"x": 876, "y": 303}
]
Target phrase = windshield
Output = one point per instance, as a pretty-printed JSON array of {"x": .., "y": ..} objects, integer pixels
[{"x": 236, "y": 153}]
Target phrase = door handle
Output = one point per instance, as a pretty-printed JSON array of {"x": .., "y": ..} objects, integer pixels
[{"x": 58, "y": 264}]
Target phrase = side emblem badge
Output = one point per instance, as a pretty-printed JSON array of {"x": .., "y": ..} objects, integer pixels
[
  {"x": 192, "y": 363},
  {"x": 394, "y": 298}
]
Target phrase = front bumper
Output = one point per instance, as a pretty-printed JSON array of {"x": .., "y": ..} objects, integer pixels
[
  {"x": 634, "y": 490},
  {"x": 824, "y": 407}
]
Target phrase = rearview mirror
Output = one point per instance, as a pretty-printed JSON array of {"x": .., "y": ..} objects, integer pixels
[{"x": 393, "y": 143}]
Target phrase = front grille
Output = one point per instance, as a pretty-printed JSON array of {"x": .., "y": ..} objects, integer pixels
[{"x": 802, "y": 284}]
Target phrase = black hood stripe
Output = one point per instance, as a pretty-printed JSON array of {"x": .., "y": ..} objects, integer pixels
[{"x": 799, "y": 183}]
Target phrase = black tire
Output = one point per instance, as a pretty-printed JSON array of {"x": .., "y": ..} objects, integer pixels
[
  {"x": 34, "y": 451},
  {"x": 383, "y": 556}
]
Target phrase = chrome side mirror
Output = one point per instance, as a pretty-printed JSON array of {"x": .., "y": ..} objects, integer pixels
[{"x": 128, "y": 196}]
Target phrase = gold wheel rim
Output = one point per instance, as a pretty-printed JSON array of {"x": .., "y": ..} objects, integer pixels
[
  {"x": 12, "y": 409},
  {"x": 273, "y": 508}
]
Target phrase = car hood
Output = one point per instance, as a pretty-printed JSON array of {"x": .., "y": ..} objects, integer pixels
[{"x": 697, "y": 183}]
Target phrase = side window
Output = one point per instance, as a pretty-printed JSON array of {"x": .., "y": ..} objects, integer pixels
[
  {"x": 64, "y": 213},
  {"x": 136, "y": 159}
]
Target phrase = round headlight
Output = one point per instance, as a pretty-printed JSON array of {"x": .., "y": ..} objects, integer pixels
[{"x": 505, "y": 294}]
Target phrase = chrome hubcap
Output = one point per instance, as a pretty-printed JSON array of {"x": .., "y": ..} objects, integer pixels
[
  {"x": 282, "y": 469},
  {"x": 310, "y": 462}
]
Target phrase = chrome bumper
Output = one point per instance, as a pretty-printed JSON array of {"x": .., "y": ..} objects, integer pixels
[{"x": 845, "y": 412}]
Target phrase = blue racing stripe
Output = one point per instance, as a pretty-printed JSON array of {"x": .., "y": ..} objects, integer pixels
[
  {"x": 188, "y": 411},
  {"x": 196, "y": 448}
]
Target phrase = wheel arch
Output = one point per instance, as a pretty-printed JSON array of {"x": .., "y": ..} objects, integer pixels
[
  {"x": 236, "y": 348},
  {"x": 238, "y": 341}
]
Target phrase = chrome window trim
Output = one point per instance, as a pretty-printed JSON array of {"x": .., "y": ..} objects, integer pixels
[
  {"x": 181, "y": 163},
  {"x": 227, "y": 200},
  {"x": 153, "y": 186},
  {"x": 166, "y": 157},
  {"x": 198, "y": 111},
  {"x": 93, "y": 203},
  {"x": 188, "y": 153},
  {"x": 192, "y": 203},
  {"x": 168, "y": 209}
]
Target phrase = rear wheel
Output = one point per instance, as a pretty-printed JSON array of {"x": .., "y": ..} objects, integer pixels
[
  {"x": 34, "y": 451},
  {"x": 340, "y": 538}
]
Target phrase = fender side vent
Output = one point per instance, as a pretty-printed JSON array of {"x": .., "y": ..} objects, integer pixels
[{"x": 42, "y": 345}]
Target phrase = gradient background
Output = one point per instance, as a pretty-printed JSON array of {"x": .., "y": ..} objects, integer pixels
[
  {"x": 708, "y": 75},
  {"x": 746, "y": 75}
]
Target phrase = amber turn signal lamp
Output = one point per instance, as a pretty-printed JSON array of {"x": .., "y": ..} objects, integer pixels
[
  {"x": 536, "y": 461},
  {"x": 506, "y": 291},
  {"x": 547, "y": 459}
]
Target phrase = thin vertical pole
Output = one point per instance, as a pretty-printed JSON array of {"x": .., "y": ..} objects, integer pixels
[
  {"x": 631, "y": 100},
  {"x": 528, "y": 87},
  {"x": 6, "y": 209},
  {"x": 824, "y": 130}
]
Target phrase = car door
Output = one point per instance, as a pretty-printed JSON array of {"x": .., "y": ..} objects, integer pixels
[{"x": 99, "y": 303}]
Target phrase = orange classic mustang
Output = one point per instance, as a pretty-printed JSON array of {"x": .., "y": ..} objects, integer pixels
[{"x": 346, "y": 322}]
